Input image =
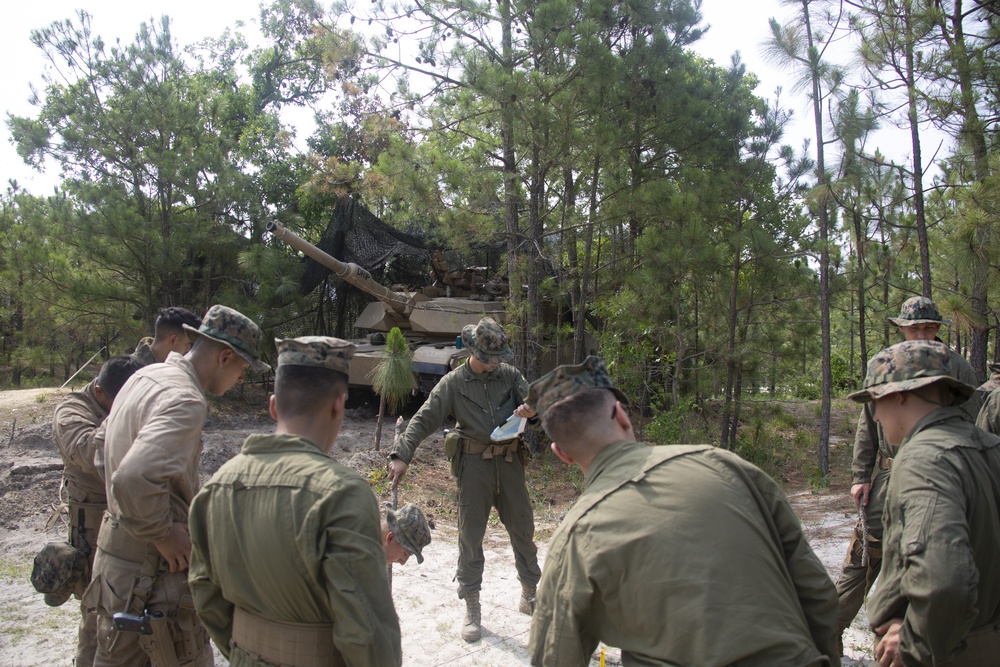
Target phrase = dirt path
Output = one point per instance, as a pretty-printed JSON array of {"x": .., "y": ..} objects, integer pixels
[{"x": 32, "y": 634}]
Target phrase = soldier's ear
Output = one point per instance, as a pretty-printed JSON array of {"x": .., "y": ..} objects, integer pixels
[
  {"x": 563, "y": 456},
  {"x": 272, "y": 407}
]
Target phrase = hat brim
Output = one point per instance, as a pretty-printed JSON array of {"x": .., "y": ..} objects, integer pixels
[
  {"x": 404, "y": 541},
  {"x": 256, "y": 365},
  {"x": 878, "y": 391},
  {"x": 901, "y": 322}
]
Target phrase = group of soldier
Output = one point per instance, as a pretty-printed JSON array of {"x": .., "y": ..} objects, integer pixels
[{"x": 678, "y": 555}]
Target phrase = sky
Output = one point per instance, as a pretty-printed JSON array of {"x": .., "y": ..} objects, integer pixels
[{"x": 736, "y": 25}]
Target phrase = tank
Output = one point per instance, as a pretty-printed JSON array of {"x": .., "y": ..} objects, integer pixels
[{"x": 431, "y": 318}]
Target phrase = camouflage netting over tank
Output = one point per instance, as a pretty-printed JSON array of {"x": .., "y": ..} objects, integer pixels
[
  {"x": 392, "y": 257},
  {"x": 357, "y": 235}
]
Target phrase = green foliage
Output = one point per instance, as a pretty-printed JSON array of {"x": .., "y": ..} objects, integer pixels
[
  {"x": 761, "y": 445},
  {"x": 393, "y": 376},
  {"x": 843, "y": 380},
  {"x": 671, "y": 426}
]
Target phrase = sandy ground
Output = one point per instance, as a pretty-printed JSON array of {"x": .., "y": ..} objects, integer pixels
[{"x": 32, "y": 634}]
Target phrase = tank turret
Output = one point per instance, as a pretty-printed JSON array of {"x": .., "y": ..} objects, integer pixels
[{"x": 430, "y": 317}]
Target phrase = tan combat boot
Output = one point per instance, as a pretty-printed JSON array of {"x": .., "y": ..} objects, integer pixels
[
  {"x": 472, "y": 630},
  {"x": 527, "y": 604}
]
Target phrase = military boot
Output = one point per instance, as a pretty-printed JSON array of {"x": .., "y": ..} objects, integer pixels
[
  {"x": 527, "y": 604},
  {"x": 472, "y": 630}
]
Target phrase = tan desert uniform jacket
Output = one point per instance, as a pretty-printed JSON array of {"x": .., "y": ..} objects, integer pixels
[
  {"x": 869, "y": 442},
  {"x": 682, "y": 555},
  {"x": 295, "y": 537},
  {"x": 152, "y": 448},
  {"x": 941, "y": 571},
  {"x": 479, "y": 402},
  {"x": 74, "y": 424}
]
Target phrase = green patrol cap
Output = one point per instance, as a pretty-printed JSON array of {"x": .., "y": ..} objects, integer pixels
[
  {"x": 487, "y": 341},
  {"x": 319, "y": 351},
  {"x": 910, "y": 365},
  {"x": 918, "y": 310},
  {"x": 566, "y": 380},
  {"x": 410, "y": 528},
  {"x": 235, "y": 330}
]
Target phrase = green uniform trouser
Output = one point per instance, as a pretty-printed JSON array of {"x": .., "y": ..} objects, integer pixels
[
  {"x": 855, "y": 579},
  {"x": 482, "y": 485}
]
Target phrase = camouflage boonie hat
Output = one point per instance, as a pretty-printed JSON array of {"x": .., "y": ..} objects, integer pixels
[
  {"x": 235, "y": 330},
  {"x": 910, "y": 365},
  {"x": 59, "y": 568},
  {"x": 994, "y": 366},
  {"x": 487, "y": 341},
  {"x": 410, "y": 528},
  {"x": 918, "y": 310},
  {"x": 319, "y": 351},
  {"x": 566, "y": 380}
]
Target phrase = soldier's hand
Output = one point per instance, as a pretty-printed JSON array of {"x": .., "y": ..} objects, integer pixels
[
  {"x": 397, "y": 468},
  {"x": 526, "y": 411},
  {"x": 176, "y": 548},
  {"x": 860, "y": 494},
  {"x": 887, "y": 651}
]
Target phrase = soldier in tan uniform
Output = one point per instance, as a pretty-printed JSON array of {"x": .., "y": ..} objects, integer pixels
[
  {"x": 168, "y": 335},
  {"x": 678, "y": 555},
  {"x": 74, "y": 425},
  {"x": 938, "y": 598},
  {"x": 287, "y": 562},
  {"x": 151, "y": 453},
  {"x": 918, "y": 319},
  {"x": 481, "y": 394}
]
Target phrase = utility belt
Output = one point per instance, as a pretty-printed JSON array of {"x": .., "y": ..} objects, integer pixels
[
  {"x": 168, "y": 635},
  {"x": 285, "y": 644},
  {"x": 884, "y": 463},
  {"x": 506, "y": 450},
  {"x": 118, "y": 542}
]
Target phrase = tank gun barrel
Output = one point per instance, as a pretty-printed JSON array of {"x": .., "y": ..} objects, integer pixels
[{"x": 348, "y": 271}]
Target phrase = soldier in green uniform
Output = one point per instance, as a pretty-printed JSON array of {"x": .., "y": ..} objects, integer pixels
[
  {"x": 74, "y": 425},
  {"x": 918, "y": 319},
  {"x": 989, "y": 414},
  {"x": 992, "y": 382},
  {"x": 168, "y": 335},
  {"x": 287, "y": 565},
  {"x": 405, "y": 533},
  {"x": 678, "y": 555},
  {"x": 481, "y": 395},
  {"x": 938, "y": 598}
]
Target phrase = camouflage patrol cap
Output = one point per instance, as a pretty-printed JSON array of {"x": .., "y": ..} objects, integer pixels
[
  {"x": 487, "y": 341},
  {"x": 910, "y": 365},
  {"x": 235, "y": 330},
  {"x": 566, "y": 380},
  {"x": 410, "y": 528},
  {"x": 59, "y": 568},
  {"x": 318, "y": 351},
  {"x": 918, "y": 310}
]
